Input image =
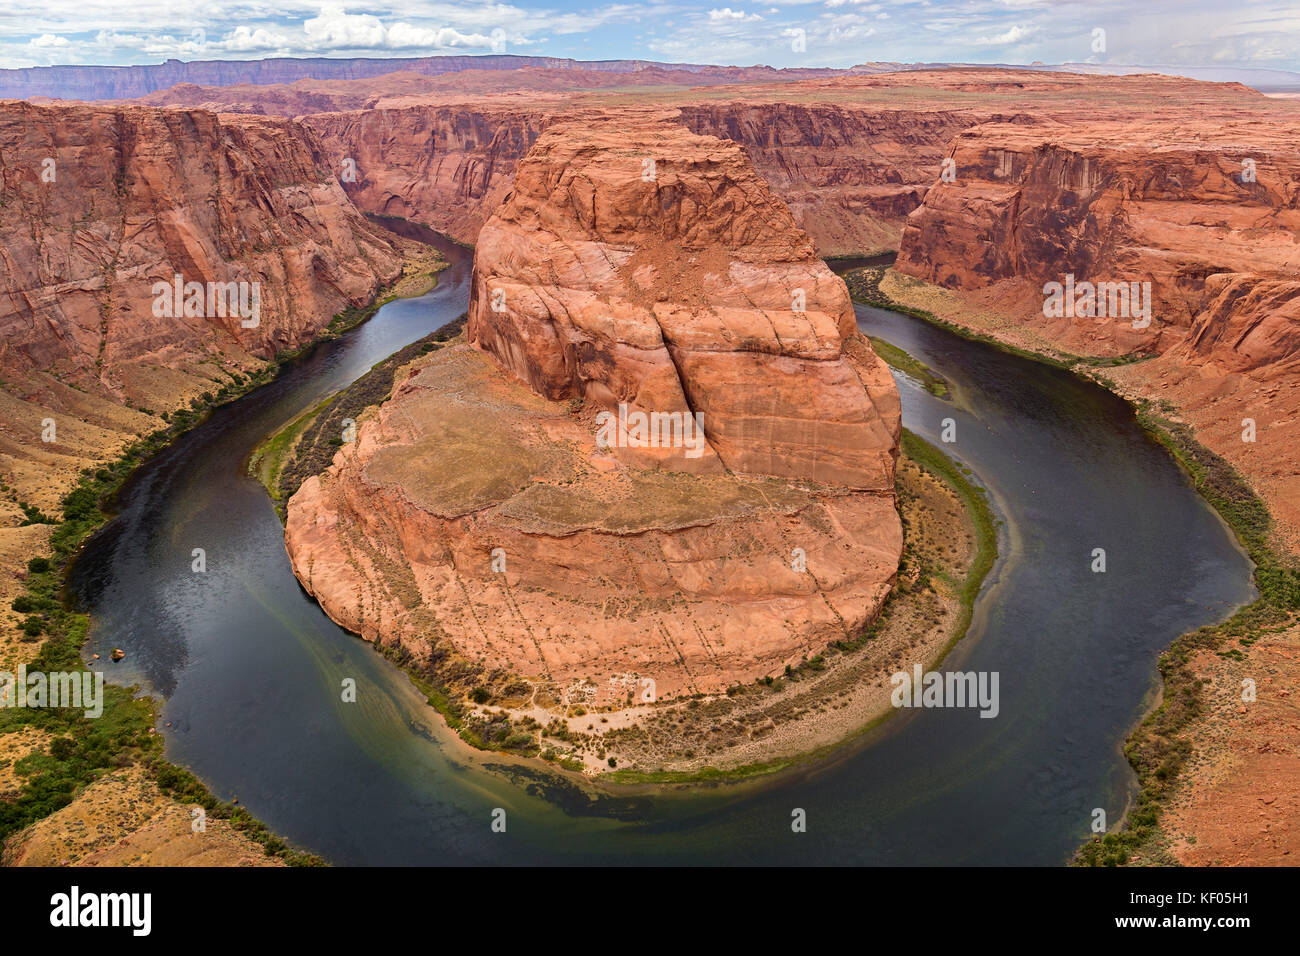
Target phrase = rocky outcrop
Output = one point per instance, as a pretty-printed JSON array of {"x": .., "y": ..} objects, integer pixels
[
  {"x": 446, "y": 166},
  {"x": 666, "y": 278},
  {"x": 850, "y": 176},
  {"x": 496, "y": 514},
  {"x": 1204, "y": 220},
  {"x": 99, "y": 207}
]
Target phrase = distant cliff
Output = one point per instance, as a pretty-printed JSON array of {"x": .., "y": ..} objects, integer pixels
[{"x": 123, "y": 82}]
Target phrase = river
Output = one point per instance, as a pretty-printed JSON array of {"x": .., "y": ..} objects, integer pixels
[{"x": 251, "y": 667}]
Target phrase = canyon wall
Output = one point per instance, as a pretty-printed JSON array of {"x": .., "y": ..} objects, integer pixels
[
  {"x": 495, "y": 516},
  {"x": 1204, "y": 222},
  {"x": 446, "y": 166},
  {"x": 99, "y": 205},
  {"x": 1202, "y": 209},
  {"x": 850, "y": 175}
]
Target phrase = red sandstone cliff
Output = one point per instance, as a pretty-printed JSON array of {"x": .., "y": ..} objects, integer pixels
[
  {"x": 1202, "y": 205},
  {"x": 667, "y": 278},
  {"x": 136, "y": 196},
  {"x": 101, "y": 204},
  {"x": 1203, "y": 215},
  {"x": 446, "y": 166},
  {"x": 851, "y": 176},
  {"x": 476, "y": 514}
]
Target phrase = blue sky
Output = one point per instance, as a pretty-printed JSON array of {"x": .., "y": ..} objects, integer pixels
[{"x": 1243, "y": 33}]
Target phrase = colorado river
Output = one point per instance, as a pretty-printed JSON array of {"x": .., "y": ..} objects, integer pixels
[{"x": 251, "y": 667}]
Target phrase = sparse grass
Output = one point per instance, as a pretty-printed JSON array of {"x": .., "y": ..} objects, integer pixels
[
  {"x": 1157, "y": 748},
  {"x": 895, "y": 357},
  {"x": 864, "y": 287},
  {"x": 306, "y": 446},
  {"x": 975, "y": 499}
]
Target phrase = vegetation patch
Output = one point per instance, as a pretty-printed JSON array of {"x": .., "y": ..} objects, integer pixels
[
  {"x": 306, "y": 446},
  {"x": 1158, "y": 749},
  {"x": 83, "y": 749},
  {"x": 910, "y": 366}
]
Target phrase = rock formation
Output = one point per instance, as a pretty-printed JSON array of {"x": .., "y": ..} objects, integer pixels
[
  {"x": 667, "y": 278},
  {"x": 99, "y": 205},
  {"x": 636, "y": 269},
  {"x": 851, "y": 175},
  {"x": 1202, "y": 207},
  {"x": 1198, "y": 218}
]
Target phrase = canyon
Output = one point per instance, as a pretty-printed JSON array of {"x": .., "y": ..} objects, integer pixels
[
  {"x": 1206, "y": 215},
  {"x": 477, "y": 517},
  {"x": 1204, "y": 210},
  {"x": 100, "y": 205},
  {"x": 670, "y": 295}
]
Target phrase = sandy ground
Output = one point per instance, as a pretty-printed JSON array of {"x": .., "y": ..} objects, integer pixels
[
  {"x": 1239, "y": 804},
  {"x": 124, "y": 820}
]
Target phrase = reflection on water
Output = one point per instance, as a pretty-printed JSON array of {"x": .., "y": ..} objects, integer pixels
[{"x": 252, "y": 669}]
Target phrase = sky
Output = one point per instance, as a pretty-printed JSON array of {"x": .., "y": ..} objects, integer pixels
[{"x": 838, "y": 33}]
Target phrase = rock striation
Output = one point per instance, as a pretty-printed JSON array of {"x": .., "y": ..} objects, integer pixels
[
  {"x": 1200, "y": 207},
  {"x": 101, "y": 204},
  {"x": 98, "y": 207},
  {"x": 495, "y": 512},
  {"x": 667, "y": 278}
]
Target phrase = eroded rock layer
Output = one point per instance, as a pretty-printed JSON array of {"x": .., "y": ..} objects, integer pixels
[
  {"x": 98, "y": 206},
  {"x": 664, "y": 277},
  {"x": 1200, "y": 211},
  {"x": 480, "y": 515},
  {"x": 1208, "y": 219}
]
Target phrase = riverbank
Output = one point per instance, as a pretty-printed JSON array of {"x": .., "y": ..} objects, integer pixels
[
  {"x": 1189, "y": 770},
  {"x": 305, "y": 446},
  {"x": 82, "y": 790},
  {"x": 62, "y": 809}
]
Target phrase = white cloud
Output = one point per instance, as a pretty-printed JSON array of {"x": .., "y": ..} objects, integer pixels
[
  {"x": 1014, "y": 35},
  {"x": 726, "y": 13}
]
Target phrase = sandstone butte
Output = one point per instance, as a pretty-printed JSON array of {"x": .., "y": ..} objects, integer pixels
[
  {"x": 476, "y": 512},
  {"x": 100, "y": 203}
]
